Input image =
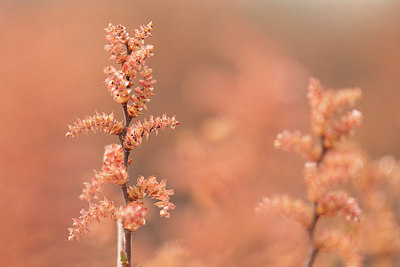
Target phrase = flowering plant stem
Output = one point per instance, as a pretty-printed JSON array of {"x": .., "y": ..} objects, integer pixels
[
  {"x": 311, "y": 230},
  {"x": 130, "y": 215},
  {"x": 124, "y": 243}
]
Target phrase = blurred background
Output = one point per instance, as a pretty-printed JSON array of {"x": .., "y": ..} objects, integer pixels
[{"x": 233, "y": 72}]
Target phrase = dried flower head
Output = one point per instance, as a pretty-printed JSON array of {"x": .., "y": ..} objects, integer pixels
[
  {"x": 343, "y": 245},
  {"x": 151, "y": 188},
  {"x": 104, "y": 122},
  {"x": 329, "y": 165},
  {"x": 117, "y": 84},
  {"x": 133, "y": 61},
  {"x": 334, "y": 203},
  {"x": 301, "y": 144},
  {"x": 296, "y": 210},
  {"x": 326, "y": 105},
  {"x": 105, "y": 209},
  {"x": 137, "y": 131},
  {"x": 113, "y": 171},
  {"x": 131, "y": 53},
  {"x": 132, "y": 215},
  {"x": 143, "y": 93},
  {"x": 117, "y": 38}
]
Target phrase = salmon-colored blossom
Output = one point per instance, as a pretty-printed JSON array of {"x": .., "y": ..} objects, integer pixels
[
  {"x": 142, "y": 93},
  {"x": 131, "y": 53},
  {"x": 343, "y": 245},
  {"x": 334, "y": 203},
  {"x": 301, "y": 144},
  {"x": 136, "y": 132},
  {"x": 325, "y": 105},
  {"x": 155, "y": 190},
  {"x": 113, "y": 171},
  {"x": 103, "y": 122},
  {"x": 117, "y": 38},
  {"x": 329, "y": 165},
  {"x": 297, "y": 209},
  {"x": 117, "y": 84},
  {"x": 132, "y": 215},
  {"x": 105, "y": 209}
]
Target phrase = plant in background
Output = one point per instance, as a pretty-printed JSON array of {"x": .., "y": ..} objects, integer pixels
[
  {"x": 131, "y": 53},
  {"x": 379, "y": 231},
  {"x": 330, "y": 165}
]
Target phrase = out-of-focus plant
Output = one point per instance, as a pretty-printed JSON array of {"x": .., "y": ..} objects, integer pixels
[
  {"x": 330, "y": 165},
  {"x": 131, "y": 53},
  {"x": 379, "y": 230}
]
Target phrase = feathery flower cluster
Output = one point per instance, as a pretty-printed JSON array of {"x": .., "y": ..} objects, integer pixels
[
  {"x": 104, "y": 122},
  {"x": 113, "y": 171},
  {"x": 105, "y": 209},
  {"x": 378, "y": 192},
  {"x": 132, "y": 215},
  {"x": 329, "y": 164},
  {"x": 117, "y": 85},
  {"x": 136, "y": 132},
  {"x": 340, "y": 203},
  {"x": 151, "y": 188},
  {"x": 337, "y": 168},
  {"x": 117, "y": 39},
  {"x": 343, "y": 245},
  {"x": 142, "y": 93},
  {"x": 131, "y": 53},
  {"x": 296, "y": 210},
  {"x": 326, "y": 106},
  {"x": 301, "y": 144}
]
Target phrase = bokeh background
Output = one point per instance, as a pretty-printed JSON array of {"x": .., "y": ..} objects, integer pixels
[{"x": 234, "y": 72}]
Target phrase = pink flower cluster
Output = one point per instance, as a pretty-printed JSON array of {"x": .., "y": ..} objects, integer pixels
[
  {"x": 337, "y": 168},
  {"x": 117, "y": 84},
  {"x": 293, "y": 209},
  {"x": 143, "y": 93},
  {"x": 118, "y": 39},
  {"x": 329, "y": 164},
  {"x": 151, "y": 188},
  {"x": 105, "y": 209},
  {"x": 113, "y": 171},
  {"x": 132, "y": 215},
  {"x": 343, "y": 245},
  {"x": 104, "y": 122},
  {"x": 131, "y": 53},
  {"x": 301, "y": 144},
  {"x": 326, "y": 105},
  {"x": 336, "y": 202},
  {"x": 136, "y": 132}
]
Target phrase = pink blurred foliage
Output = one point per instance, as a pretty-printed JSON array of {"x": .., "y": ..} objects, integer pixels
[{"x": 224, "y": 162}]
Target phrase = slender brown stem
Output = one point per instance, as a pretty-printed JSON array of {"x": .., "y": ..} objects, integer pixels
[
  {"x": 311, "y": 230},
  {"x": 313, "y": 250},
  {"x": 126, "y": 240}
]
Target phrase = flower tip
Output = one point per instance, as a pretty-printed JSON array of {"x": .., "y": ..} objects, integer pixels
[
  {"x": 277, "y": 143},
  {"x": 356, "y": 114}
]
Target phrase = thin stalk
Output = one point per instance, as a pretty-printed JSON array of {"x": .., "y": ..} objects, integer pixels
[
  {"x": 124, "y": 235},
  {"x": 311, "y": 230}
]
